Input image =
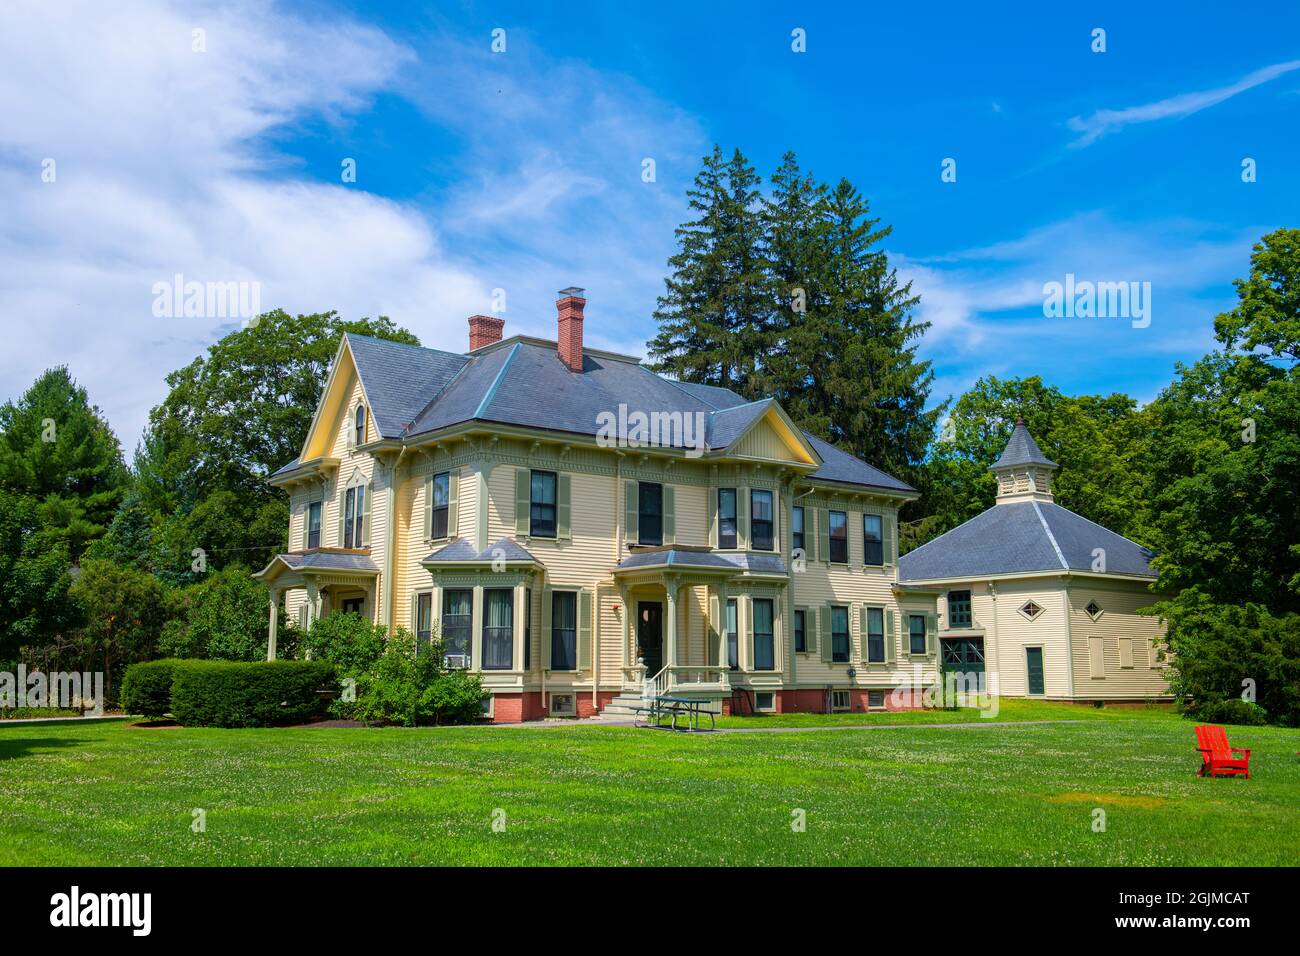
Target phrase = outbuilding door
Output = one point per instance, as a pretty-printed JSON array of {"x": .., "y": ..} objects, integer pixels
[{"x": 1034, "y": 663}]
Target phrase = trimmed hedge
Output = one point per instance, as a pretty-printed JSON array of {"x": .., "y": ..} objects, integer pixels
[
  {"x": 147, "y": 687},
  {"x": 238, "y": 694}
]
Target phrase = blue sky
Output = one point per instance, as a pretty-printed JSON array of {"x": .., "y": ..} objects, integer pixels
[{"x": 522, "y": 170}]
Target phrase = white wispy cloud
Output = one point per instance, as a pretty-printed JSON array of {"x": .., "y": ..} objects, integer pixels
[
  {"x": 170, "y": 161},
  {"x": 1103, "y": 122}
]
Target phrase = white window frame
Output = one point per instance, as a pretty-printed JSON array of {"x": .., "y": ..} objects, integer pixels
[
  {"x": 571, "y": 711},
  {"x": 835, "y": 698},
  {"x": 771, "y": 701}
]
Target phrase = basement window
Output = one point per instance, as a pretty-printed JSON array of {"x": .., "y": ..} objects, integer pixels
[
  {"x": 562, "y": 705},
  {"x": 875, "y": 700},
  {"x": 840, "y": 700},
  {"x": 765, "y": 700}
]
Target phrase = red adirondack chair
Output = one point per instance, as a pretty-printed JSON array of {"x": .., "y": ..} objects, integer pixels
[{"x": 1217, "y": 758}]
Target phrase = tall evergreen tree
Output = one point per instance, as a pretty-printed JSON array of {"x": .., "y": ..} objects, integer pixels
[
  {"x": 842, "y": 358},
  {"x": 58, "y": 450},
  {"x": 714, "y": 312}
]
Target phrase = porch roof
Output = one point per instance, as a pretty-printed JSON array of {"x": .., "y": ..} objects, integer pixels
[
  {"x": 461, "y": 551},
  {"x": 323, "y": 560},
  {"x": 701, "y": 559}
]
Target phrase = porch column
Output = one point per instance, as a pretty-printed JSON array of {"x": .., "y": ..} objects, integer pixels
[
  {"x": 626, "y": 630},
  {"x": 313, "y": 602},
  {"x": 273, "y": 626},
  {"x": 670, "y": 631},
  {"x": 720, "y": 589}
]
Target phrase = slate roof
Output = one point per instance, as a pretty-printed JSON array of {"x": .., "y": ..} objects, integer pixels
[
  {"x": 1019, "y": 537},
  {"x": 1021, "y": 450},
  {"x": 325, "y": 561},
  {"x": 692, "y": 558},
  {"x": 462, "y": 550},
  {"x": 415, "y": 390}
]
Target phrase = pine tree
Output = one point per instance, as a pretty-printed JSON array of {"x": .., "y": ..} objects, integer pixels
[{"x": 714, "y": 313}]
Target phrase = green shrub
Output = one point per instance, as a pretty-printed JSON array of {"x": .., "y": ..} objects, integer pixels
[
  {"x": 147, "y": 688},
  {"x": 1234, "y": 710},
  {"x": 348, "y": 641},
  {"x": 248, "y": 694},
  {"x": 409, "y": 687}
]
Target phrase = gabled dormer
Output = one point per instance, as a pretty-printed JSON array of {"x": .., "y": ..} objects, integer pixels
[{"x": 1024, "y": 473}]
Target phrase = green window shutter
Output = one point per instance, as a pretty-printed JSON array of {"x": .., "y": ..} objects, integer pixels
[
  {"x": 670, "y": 519},
  {"x": 428, "y": 508},
  {"x": 931, "y": 632},
  {"x": 811, "y": 619},
  {"x": 523, "y": 499},
  {"x": 630, "y": 510},
  {"x": 415, "y": 613},
  {"x": 584, "y": 629},
  {"x": 713, "y": 517},
  {"x": 862, "y": 631},
  {"x": 889, "y": 635},
  {"x": 824, "y": 534},
  {"x": 828, "y": 642},
  {"x": 810, "y": 533},
  {"x": 453, "y": 504},
  {"x": 306, "y": 522},
  {"x": 742, "y": 519},
  {"x": 546, "y": 628},
  {"x": 563, "y": 511},
  {"x": 889, "y": 532},
  {"x": 343, "y": 501}
]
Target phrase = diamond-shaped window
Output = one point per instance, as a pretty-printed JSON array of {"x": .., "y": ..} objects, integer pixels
[
  {"x": 1093, "y": 609},
  {"x": 1031, "y": 610}
]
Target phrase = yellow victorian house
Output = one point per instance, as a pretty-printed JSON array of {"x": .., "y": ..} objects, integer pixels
[{"x": 577, "y": 528}]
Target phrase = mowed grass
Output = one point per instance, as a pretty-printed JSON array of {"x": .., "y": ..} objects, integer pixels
[{"x": 983, "y": 794}]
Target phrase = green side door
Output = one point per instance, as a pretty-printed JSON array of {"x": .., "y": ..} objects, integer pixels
[{"x": 1034, "y": 661}]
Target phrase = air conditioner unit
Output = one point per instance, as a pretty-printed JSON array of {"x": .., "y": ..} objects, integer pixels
[{"x": 456, "y": 661}]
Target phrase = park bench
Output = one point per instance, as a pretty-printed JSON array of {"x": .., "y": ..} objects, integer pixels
[{"x": 1217, "y": 757}]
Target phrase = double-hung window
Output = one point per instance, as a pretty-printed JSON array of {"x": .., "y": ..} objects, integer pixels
[
  {"x": 800, "y": 635},
  {"x": 354, "y": 516},
  {"x": 873, "y": 543},
  {"x": 498, "y": 629},
  {"x": 875, "y": 635},
  {"x": 840, "y": 635},
  {"x": 650, "y": 517},
  {"x": 423, "y": 621},
  {"x": 764, "y": 636},
  {"x": 916, "y": 634},
  {"x": 359, "y": 432},
  {"x": 564, "y": 631},
  {"x": 457, "y": 625},
  {"x": 726, "y": 517},
  {"x": 796, "y": 528},
  {"x": 541, "y": 516},
  {"x": 313, "y": 524},
  {"x": 760, "y": 520},
  {"x": 839, "y": 537},
  {"x": 959, "y": 609},
  {"x": 441, "y": 505}
]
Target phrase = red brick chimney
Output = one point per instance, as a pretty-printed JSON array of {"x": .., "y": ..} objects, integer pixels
[
  {"x": 484, "y": 330},
  {"x": 570, "y": 306}
]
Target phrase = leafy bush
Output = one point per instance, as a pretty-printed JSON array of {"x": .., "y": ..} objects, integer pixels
[
  {"x": 1234, "y": 710},
  {"x": 147, "y": 688},
  {"x": 255, "y": 694},
  {"x": 409, "y": 687},
  {"x": 348, "y": 641},
  {"x": 1216, "y": 649}
]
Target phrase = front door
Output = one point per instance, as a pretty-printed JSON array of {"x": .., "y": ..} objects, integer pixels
[
  {"x": 650, "y": 635},
  {"x": 1034, "y": 661}
]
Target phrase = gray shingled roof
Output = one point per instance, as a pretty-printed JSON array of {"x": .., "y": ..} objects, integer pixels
[
  {"x": 1021, "y": 537},
  {"x": 692, "y": 558},
  {"x": 1021, "y": 450},
  {"x": 415, "y": 390},
  {"x": 462, "y": 550},
  {"x": 400, "y": 379},
  {"x": 325, "y": 561}
]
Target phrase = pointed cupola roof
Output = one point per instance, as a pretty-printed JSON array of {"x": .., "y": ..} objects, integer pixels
[{"x": 1021, "y": 450}]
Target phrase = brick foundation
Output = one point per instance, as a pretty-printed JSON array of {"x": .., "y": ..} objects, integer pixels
[
  {"x": 516, "y": 708},
  {"x": 813, "y": 701}
]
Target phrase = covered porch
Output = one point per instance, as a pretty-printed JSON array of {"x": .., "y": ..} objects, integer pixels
[
  {"x": 332, "y": 580},
  {"x": 673, "y": 638}
]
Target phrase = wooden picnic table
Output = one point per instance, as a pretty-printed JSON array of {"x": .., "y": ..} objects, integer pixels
[{"x": 677, "y": 706}]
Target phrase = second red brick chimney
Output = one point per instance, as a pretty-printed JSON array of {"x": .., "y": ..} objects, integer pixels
[
  {"x": 484, "y": 330},
  {"x": 569, "y": 341}
]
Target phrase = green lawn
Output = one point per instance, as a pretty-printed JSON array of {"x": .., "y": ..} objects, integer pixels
[{"x": 103, "y": 793}]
